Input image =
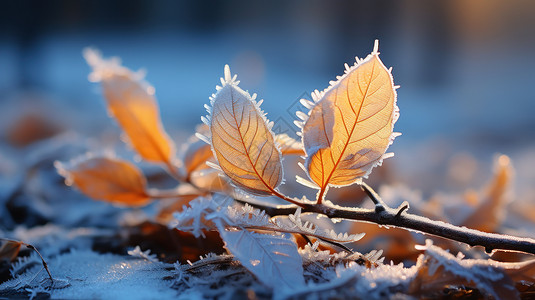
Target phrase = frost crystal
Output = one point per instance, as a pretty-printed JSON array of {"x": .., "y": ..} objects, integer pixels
[{"x": 143, "y": 254}]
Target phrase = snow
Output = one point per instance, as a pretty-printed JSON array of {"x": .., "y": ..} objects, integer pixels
[{"x": 100, "y": 276}]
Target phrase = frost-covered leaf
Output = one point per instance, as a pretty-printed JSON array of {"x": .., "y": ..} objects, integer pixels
[
  {"x": 242, "y": 140},
  {"x": 200, "y": 214},
  {"x": 9, "y": 250},
  {"x": 350, "y": 125},
  {"x": 106, "y": 178},
  {"x": 131, "y": 102},
  {"x": 438, "y": 269},
  {"x": 490, "y": 211},
  {"x": 272, "y": 258}
]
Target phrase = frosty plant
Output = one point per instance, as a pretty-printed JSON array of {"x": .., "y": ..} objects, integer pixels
[{"x": 226, "y": 171}]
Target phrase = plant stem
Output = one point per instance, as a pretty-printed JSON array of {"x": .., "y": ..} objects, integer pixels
[{"x": 29, "y": 246}]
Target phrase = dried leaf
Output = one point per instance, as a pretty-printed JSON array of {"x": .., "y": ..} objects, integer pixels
[
  {"x": 106, "y": 178},
  {"x": 131, "y": 102},
  {"x": 490, "y": 211},
  {"x": 438, "y": 269},
  {"x": 9, "y": 250},
  {"x": 242, "y": 140},
  {"x": 196, "y": 152},
  {"x": 349, "y": 128},
  {"x": 521, "y": 271},
  {"x": 272, "y": 258}
]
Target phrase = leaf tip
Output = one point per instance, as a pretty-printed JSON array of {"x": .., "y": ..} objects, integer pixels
[
  {"x": 228, "y": 75},
  {"x": 375, "y": 47}
]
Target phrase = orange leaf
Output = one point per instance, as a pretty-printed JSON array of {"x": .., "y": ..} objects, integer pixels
[
  {"x": 108, "y": 179},
  {"x": 196, "y": 152},
  {"x": 242, "y": 140},
  {"x": 10, "y": 250},
  {"x": 350, "y": 125},
  {"x": 490, "y": 212},
  {"x": 131, "y": 102}
]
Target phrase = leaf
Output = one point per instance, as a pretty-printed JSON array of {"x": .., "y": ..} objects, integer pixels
[
  {"x": 438, "y": 269},
  {"x": 106, "y": 178},
  {"x": 349, "y": 128},
  {"x": 131, "y": 102},
  {"x": 273, "y": 259},
  {"x": 242, "y": 140},
  {"x": 491, "y": 209},
  {"x": 9, "y": 250},
  {"x": 196, "y": 152},
  {"x": 521, "y": 271}
]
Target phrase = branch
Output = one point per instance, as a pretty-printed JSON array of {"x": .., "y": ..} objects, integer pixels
[{"x": 399, "y": 217}]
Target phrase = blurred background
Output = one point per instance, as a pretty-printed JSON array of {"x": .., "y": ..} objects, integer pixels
[{"x": 466, "y": 69}]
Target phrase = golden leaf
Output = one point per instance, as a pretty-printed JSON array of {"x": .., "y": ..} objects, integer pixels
[
  {"x": 131, "y": 102},
  {"x": 350, "y": 125},
  {"x": 108, "y": 179},
  {"x": 241, "y": 139}
]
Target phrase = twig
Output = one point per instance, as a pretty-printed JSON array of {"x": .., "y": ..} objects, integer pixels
[
  {"x": 402, "y": 219},
  {"x": 379, "y": 204}
]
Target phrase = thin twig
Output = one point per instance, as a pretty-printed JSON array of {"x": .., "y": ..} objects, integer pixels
[{"x": 379, "y": 204}]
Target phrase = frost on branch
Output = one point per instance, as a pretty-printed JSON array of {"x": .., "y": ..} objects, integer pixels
[{"x": 350, "y": 124}]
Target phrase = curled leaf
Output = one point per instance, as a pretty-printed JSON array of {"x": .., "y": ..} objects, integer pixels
[
  {"x": 131, "y": 102},
  {"x": 350, "y": 125},
  {"x": 241, "y": 139},
  {"x": 106, "y": 178}
]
